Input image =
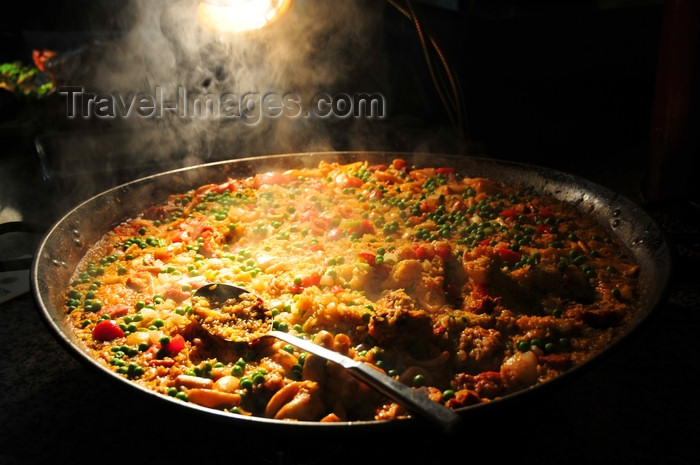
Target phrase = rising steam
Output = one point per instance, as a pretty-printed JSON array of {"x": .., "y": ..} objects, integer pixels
[{"x": 318, "y": 46}]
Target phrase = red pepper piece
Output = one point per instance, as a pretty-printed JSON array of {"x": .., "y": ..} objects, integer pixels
[
  {"x": 295, "y": 289},
  {"x": 509, "y": 213},
  {"x": 106, "y": 330},
  {"x": 175, "y": 345},
  {"x": 545, "y": 212},
  {"x": 439, "y": 329},
  {"x": 376, "y": 195},
  {"x": 369, "y": 257},
  {"x": 509, "y": 255},
  {"x": 443, "y": 250},
  {"x": 424, "y": 251},
  {"x": 426, "y": 207},
  {"x": 311, "y": 280},
  {"x": 399, "y": 164},
  {"x": 307, "y": 281},
  {"x": 223, "y": 187}
]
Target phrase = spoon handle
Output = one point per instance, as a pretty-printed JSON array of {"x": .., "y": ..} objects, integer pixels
[{"x": 411, "y": 399}]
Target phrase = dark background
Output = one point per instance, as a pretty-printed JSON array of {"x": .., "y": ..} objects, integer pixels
[{"x": 567, "y": 85}]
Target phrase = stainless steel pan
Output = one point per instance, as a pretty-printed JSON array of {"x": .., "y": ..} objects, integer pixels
[{"x": 67, "y": 241}]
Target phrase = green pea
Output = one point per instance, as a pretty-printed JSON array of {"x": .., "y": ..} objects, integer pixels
[
  {"x": 246, "y": 383},
  {"x": 418, "y": 380}
]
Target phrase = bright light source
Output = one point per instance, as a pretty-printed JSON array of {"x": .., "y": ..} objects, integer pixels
[{"x": 239, "y": 15}]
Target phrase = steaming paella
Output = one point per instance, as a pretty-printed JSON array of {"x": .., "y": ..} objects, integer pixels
[{"x": 463, "y": 288}]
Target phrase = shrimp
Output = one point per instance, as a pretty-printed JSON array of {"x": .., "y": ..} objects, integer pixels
[
  {"x": 520, "y": 370},
  {"x": 300, "y": 400}
]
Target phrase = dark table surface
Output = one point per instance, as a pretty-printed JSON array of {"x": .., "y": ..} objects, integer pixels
[{"x": 638, "y": 404}]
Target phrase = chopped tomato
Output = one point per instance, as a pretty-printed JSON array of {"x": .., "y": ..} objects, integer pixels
[{"x": 106, "y": 330}]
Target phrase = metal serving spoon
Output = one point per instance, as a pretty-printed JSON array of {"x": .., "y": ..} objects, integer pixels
[{"x": 250, "y": 321}]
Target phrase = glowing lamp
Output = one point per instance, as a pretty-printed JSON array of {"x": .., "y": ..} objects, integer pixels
[{"x": 239, "y": 15}]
